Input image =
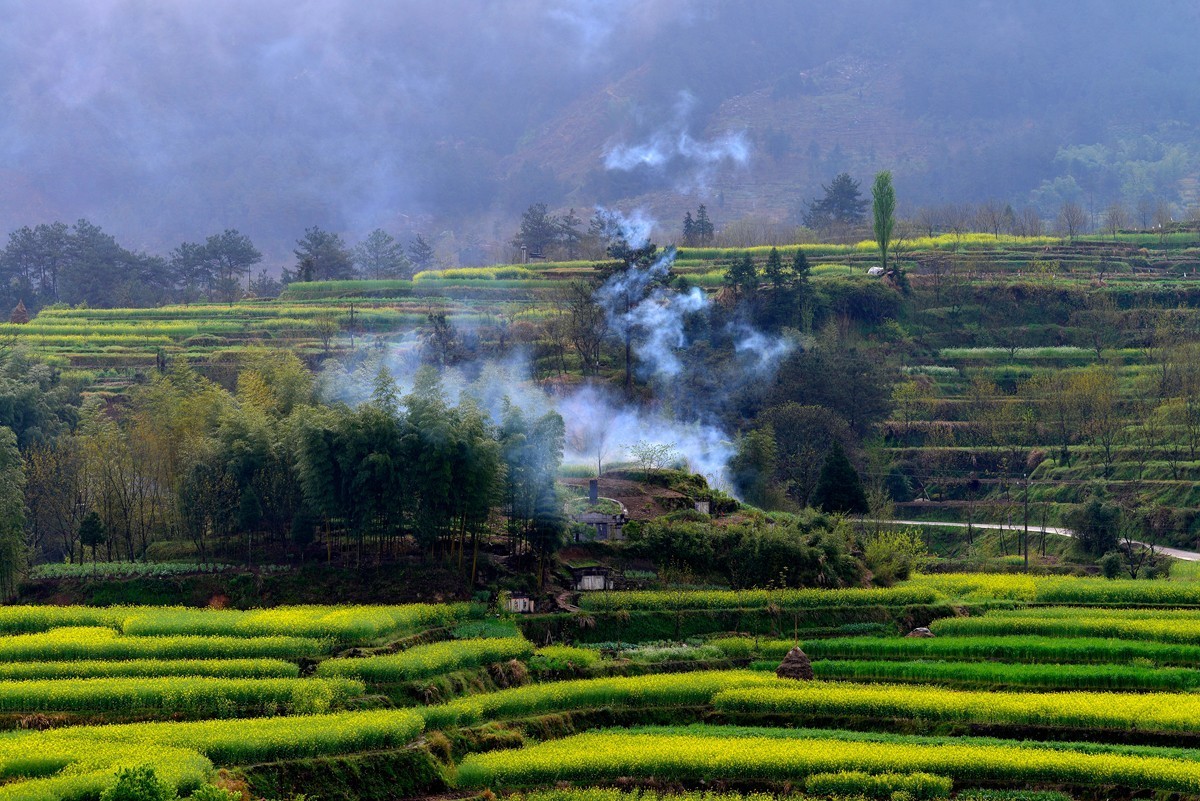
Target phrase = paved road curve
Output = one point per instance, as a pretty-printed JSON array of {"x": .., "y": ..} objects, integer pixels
[{"x": 1187, "y": 556}]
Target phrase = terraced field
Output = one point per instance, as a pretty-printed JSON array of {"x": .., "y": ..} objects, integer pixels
[
  {"x": 445, "y": 701},
  {"x": 996, "y": 333}
]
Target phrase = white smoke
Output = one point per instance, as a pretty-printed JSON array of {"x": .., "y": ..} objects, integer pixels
[
  {"x": 639, "y": 305},
  {"x": 661, "y": 317},
  {"x": 665, "y": 146},
  {"x": 760, "y": 352},
  {"x": 674, "y": 142},
  {"x": 600, "y": 425}
]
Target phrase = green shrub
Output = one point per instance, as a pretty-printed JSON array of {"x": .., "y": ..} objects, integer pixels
[
  {"x": 878, "y": 785},
  {"x": 138, "y": 784},
  {"x": 210, "y": 792},
  {"x": 735, "y": 647},
  {"x": 893, "y": 556},
  {"x": 562, "y": 659}
]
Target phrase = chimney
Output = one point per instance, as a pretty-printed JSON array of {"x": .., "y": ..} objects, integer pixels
[{"x": 594, "y": 491}]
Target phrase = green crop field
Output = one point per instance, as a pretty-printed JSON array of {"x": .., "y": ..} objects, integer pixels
[
  {"x": 180, "y": 696},
  {"x": 1085, "y": 686}
]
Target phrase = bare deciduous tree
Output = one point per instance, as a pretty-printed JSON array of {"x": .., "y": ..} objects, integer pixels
[
  {"x": 1162, "y": 218},
  {"x": 991, "y": 216},
  {"x": 1028, "y": 222},
  {"x": 1072, "y": 220},
  {"x": 1115, "y": 218}
]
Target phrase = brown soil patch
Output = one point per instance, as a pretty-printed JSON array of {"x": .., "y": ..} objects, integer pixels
[{"x": 643, "y": 501}]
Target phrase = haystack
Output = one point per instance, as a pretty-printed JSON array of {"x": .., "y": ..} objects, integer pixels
[
  {"x": 795, "y": 666},
  {"x": 20, "y": 315}
]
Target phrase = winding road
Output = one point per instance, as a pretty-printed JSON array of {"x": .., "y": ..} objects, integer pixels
[{"x": 1187, "y": 556}]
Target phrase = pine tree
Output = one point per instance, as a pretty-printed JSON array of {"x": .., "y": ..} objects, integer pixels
[
  {"x": 381, "y": 256},
  {"x": 839, "y": 488},
  {"x": 803, "y": 293},
  {"x": 800, "y": 268},
  {"x": 774, "y": 272},
  {"x": 570, "y": 233},
  {"x": 742, "y": 275},
  {"x": 689, "y": 229},
  {"x": 329, "y": 257},
  {"x": 539, "y": 231},
  {"x": 421, "y": 254},
  {"x": 842, "y": 204},
  {"x": 704, "y": 227}
]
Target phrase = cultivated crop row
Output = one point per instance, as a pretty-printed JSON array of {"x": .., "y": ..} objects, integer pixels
[
  {"x": 1146, "y": 711},
  {"x": 1163, "y": 630},
  {"x": 100, "y": 643},
  {"x": 1005, "y": 649},
  {"x": 758, "y": 599},
  {"x": 704, "y": 754},
  {"x": 1060, "y": 589},
  {"x": 340, "y": 623},
  {"x": 670, "y": 689},
  {"x": 1000, "y": 674},
  {"x": 175, "y": 693},
  {"x": 429, "y": 660},
  {"x": 88, "y": 669}
]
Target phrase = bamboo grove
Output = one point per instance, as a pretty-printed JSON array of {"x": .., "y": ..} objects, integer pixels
[{"x": 266, "y": 466}]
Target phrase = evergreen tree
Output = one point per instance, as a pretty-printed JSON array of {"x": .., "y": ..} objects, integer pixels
[
  {"x": 323, "y": 255},
  {"x": 381, "y": 256},
  {"x": 604, "y": 231},
  {"x": 539, "y": 230},
  {"x": 742, "y": 275},
  {"x": 842, "y": 204},
  {"x": 839, "y": 488},
  {"x": 570, "y": 234},
  {"x": 774, "y": 272},
  {"x": 800, "y": 269},
  {"x": 635, "y": 285},
  {"x": 12, "y": 514},
  {"x": 689, "y": 229},
  {"x": 230, "y": 255},
  {"x": 91, "y": 532},
  {"x": 802, "y": 291},
  {"x": 703, "y": 226},
  {"x": 421, "y": 254}
]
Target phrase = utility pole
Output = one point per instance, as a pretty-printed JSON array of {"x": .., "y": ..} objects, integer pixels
[{"x": 1027, "y": 523}]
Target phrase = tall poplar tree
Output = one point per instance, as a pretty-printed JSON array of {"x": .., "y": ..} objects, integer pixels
[{"x": 883, "y": 206}]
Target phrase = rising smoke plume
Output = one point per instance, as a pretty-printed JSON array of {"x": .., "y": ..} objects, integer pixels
[
  {"x": 673, "y": 145},
  {"x": 600, "y": 425}
]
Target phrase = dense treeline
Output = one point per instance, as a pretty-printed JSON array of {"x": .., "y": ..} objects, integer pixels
[
  {"x": 81, "y": 264},
  {"x": 266, "y": 467}
]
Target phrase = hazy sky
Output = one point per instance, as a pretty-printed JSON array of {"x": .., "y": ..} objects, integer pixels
[{"x": 162, "y": 120}]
